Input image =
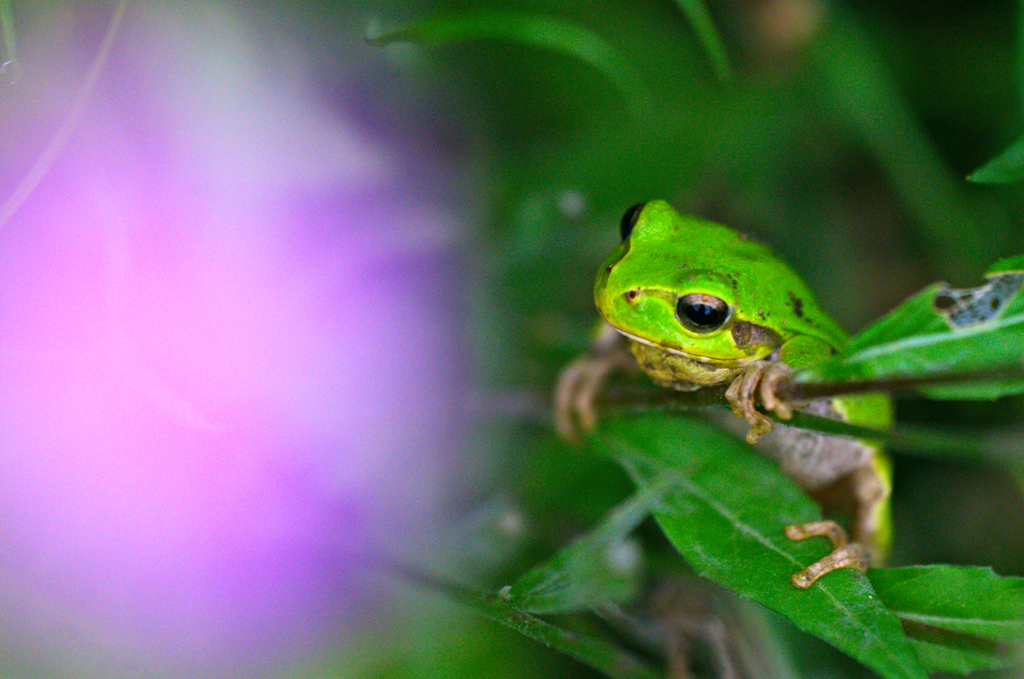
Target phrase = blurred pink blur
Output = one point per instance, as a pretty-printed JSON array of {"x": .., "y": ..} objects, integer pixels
[{"x": 229, "y": 362}]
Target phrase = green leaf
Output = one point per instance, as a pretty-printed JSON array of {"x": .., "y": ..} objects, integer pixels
[
  {"x": 537, "y": 31},
  {"x": 699, "y": 17},
  {"x": 598, "y": 568},
  {"x": 725, "y": 510},
  {"x": 600, "y": 654},
  {"x": 969, "y": 599},
  {"x": 961, "y": 618},
  {"x": 943, "y": 333},
  {"x": 1007, "y": 167},
  {"x": 938, "y": 655}
]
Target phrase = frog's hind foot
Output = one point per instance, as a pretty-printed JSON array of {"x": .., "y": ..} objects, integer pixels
[{"x": 845, "y": 554}]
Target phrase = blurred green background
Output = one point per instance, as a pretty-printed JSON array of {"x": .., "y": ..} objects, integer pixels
[{"x": 843, "y": 139}]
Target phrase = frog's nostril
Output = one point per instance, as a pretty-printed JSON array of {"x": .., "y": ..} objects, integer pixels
[{"x": 631, "y": 295}]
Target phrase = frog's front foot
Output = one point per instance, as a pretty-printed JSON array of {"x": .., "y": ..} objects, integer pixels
[
  {"x": 844, "y": 554},
  {"x": 760, "y": 379},
  {"x": 581, "y": 381}
]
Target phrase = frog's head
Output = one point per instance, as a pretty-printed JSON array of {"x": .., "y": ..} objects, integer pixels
[{"x": 689, "y": 287}]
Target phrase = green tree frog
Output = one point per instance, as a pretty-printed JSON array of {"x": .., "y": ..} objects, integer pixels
[{"x": 696, "y": 305}]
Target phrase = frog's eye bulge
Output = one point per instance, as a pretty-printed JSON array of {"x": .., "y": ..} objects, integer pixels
[
  {"x": 702, "y": 313},
  {"x": 629, "y": 220}
]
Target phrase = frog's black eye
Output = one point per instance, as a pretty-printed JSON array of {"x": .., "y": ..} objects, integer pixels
[
  {"x": 629, "y": 220},
  {"x": 701, "y": 313}
]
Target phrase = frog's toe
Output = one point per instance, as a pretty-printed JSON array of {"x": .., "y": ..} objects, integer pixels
[
  {"x": 850, "y": 555},
  {"x": 740, "y": 396},
  {"x": 572, "y": 405},
  {"x": 773, "y": 381},
  {"x": 565, "y": 398},
  {"x": 760, "y": 426},
  {"x": 584, "y": 405}
]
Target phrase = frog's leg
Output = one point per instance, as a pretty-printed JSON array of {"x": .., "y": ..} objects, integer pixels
[
  {"x": 581, "y": 381},
  {"x": 867, "y": 488}
]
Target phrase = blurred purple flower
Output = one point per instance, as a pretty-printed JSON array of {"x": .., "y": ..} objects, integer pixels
[{"x": 228, "y": 357}]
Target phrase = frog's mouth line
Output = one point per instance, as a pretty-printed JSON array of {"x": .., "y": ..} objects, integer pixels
[{"x": 711, "y": 361}]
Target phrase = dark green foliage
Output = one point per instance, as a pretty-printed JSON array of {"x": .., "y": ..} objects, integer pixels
[{"x": 848, "y": 155}]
